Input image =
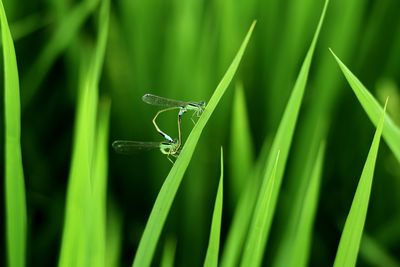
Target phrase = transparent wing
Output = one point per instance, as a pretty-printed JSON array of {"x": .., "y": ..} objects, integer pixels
[
  {"x": 162, "y": 101},
  {"x": 129, "y": 147}
]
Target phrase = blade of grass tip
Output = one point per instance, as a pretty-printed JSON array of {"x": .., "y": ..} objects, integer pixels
[
  {"x": 282, "y": 142},
  {"x": 64, "y": 33},
  {"x": 168, "y": 191},
  {"x": 213, "y": 243},
  {"x": 14, "y": 175},
  {"x": 99, "y": 185},
  {"x": 296, "y": 240},
  {"x": 351, "y": 237},
  {"x": 244, "y": 209},
  {"x": 114, "y": 236},
  {"x": 168, "y": 256},
  {"x": 254, "y": 247},
  {"x": 374, "y": 254},
  {"x": 78, "y": 232},
  {"x": 391, "y": 132},
  {"x": 241, "y": 144}
]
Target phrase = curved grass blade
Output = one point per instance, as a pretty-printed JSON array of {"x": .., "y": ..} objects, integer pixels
[
  {"x": 353, "y": 229},
  {"x": 15, "y": 201},
  {"x": 63, "y": 36},
  {"x": 255, "y": 243},
  {"x": 213, "y": 244},
  {"x": 296, "y": 240},
  {"x": 253, "y": 252},
  {"x": 168, "y": 191},
  {"x": 391, "y": 132}
]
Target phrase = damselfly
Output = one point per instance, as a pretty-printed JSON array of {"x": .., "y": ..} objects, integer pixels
[{"x": 170, "y": 104}]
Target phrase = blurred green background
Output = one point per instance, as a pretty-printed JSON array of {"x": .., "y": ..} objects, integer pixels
[{"x": 180, "y": 50}]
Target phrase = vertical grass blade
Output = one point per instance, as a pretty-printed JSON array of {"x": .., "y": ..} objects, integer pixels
[
  {"x": 391, "y": 132},
  {"x": 241, "y": 144},
  {"x": 64, "y": 34},
  {"x": 85, "y": 190},
  {"x": 168, "y": 256},
  {"x": 99, "y": 184},
  {"x": 254, "y": 248},
  {"x": 353, "y": 229},
  {"x": 282, "y": 143},
  {"x": 14, "y": 175},
  {"x": 168, "y": 191},
  {"x": 242, "y": 216},
  {"x": 213, "y": 243},
  {"x": 296, "y": 241}
]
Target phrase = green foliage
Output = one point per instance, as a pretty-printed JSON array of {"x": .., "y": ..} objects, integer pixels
[
  {"x": 351, "y": 237},
  {"x": 70, "y": 199},
  {"x": 14, "y": 173},
  {"x": 215, "y": 232},
  {"x": 168, "y": 191}
]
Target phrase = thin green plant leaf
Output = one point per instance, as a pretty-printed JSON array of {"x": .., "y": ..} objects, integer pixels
[
  {"x": 374, "y": 254},
  {"x": 28, "y": 25},
  {"x": 168, "y": 191},
  {"x": 64, "y": 34},
  {"x": 257, "y": 232},
  {"x": 99, "y": 184},
  {"x": 243, "y": 211},
  {"x": 391, "y": 132},
  {"x": 15, "y": 201},
  {"x": 254, "y": 251},
  {"x": 78, "y": 234},
  {"x": 241, "y": 144},
  {"x": 168, "y": 256},
  {"x": 353, "y": 229},
  {"x": 213, "y": 244},
  {"x": 296, "y": 243}
]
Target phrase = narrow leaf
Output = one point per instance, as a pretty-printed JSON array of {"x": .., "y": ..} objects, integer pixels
[
  {"x": 14, "y": 175},
  {"x": 213, "y": 244},
  {"x": 254, "y": 248},
  {"x": 353, "y": 229},
  {"x": 391, "y": 132},
  {"x": 169, "y": 253},
  {"x": 168, "y": 191},
  {"x": 282, "y": 143}
]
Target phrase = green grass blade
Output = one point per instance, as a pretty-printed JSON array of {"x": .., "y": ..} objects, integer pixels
[
  {"x": 353, "y": 229},
  {"x": 99, "y": 185},
  {"x": 282, "y": 143},
  {"x": 242, "y": 215},
  {"x": 241, "y": 144},
  {"x": 374, "y": 254},
  {"x": 254, "y": 248},
  {"x": 168, "y": 256},
  {"x": 391, "y": 132},
  {"x": 78, "y": 234},
  {"x": 296, "y": 243},
  {"x": 168, "y": 191},
  {"x": 213, "y": 244},
  {"x": 64, "y": 34},
  {"x": 14, "y": 175},
  {"x": 28, "y": 25}
]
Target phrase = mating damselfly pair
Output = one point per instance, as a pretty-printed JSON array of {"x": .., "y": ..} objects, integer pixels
[{"x": 170, "y": 146}]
